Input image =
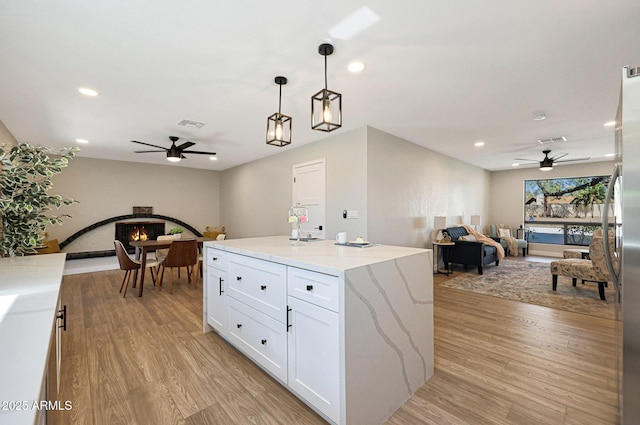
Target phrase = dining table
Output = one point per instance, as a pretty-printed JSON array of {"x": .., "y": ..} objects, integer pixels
[{"x": 143, "y": 247}]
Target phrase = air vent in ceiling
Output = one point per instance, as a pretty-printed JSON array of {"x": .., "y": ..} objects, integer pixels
[
  {"x": 552, "y": 140},
  {"x": 190, "y": 123}
]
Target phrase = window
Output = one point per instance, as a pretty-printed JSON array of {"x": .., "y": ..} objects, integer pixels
[{"x": 564, "y": 211}]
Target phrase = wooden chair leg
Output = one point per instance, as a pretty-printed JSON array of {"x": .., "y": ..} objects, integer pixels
[
  {"x": 171, "y": 279},
  {"x": 195, "y": 272},
  {"x": 601, "y": 290},
  {"x": 554, "y": 282},
  {"x": 161, "y": 278},
  {"x": 153, "y": 275},
  {"x": 128, "y": 274}
]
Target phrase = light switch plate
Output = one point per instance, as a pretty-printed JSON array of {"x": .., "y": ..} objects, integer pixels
[{"x": 352, "y": 213}]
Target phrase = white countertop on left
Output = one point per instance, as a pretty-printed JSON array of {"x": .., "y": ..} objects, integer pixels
[{"x": 29, "y": 291}]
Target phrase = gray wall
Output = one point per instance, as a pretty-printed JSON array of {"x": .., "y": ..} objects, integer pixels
[
  {"x": 107, "y": 188},
  {"x": 396, "y": 186},
  {"x": 409, "y": 185},
  {"x": 255, "y": 197}
]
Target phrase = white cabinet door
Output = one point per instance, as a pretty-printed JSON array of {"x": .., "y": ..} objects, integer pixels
[
  {"x": 216, "y": 299},
  {"x": 314, "y": 367}
]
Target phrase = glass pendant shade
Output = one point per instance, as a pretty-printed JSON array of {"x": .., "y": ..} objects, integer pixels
[
  {"x": 326, "y": 105},
  {"x": 279, "y": 125},
  {"x": 279, "y": 130},
  {"x": 326, "y": 110}
]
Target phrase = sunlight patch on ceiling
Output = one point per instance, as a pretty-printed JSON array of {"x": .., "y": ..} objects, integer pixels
[{"x": 354, "y": 24}]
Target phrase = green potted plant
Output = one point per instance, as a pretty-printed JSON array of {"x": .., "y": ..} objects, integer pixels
[
  {"x": 25, "y": 180},
  {"x": 176, "y": 232}
]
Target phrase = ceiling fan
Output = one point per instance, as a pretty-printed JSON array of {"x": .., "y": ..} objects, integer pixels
[
  {"x": 174, "y": 153},
  {"x": 547, "y": 163}
]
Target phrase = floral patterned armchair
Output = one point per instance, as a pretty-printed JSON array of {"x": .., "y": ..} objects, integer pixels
[{"x": 593, "y": 270}]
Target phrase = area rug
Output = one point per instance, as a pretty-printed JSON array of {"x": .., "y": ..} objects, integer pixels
[{"x": 530, "y": 282}]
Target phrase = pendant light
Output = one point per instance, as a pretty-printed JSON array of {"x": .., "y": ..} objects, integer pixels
[
  {"x": 278, "y": 125},
  {"x": 326, "y": 105}
]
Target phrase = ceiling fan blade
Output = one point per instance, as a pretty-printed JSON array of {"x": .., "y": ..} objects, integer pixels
[
  {"x": 182, "y": 156},
  {"x": 560, "y": 155},
  {"x": 574, "y": 159},
  {"x": 148, "y": 144},
  {"x": 200, "y": 152},
  {"x": 185, "y": 145},
  {"x": 525, "y": 159},
  {"x": 147, "y": 151}
]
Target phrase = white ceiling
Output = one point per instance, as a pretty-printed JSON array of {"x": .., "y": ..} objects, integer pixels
[{"x": 440, "y": 74}]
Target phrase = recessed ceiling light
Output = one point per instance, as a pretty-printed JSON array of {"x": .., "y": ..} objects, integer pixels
[
  {"x": 478, "y": 144},
  {"x": 540, "y": 116},
  {"x": 610, "y": 154},
  {"x": 356, "y": 67},
  {"x": 609, "y": 123},
  {"x": 87, "y": 92},
  {"x": 83, "y": 141},
  {"x": 213, "y": 158},
  {"x": 515, "y": 164}
]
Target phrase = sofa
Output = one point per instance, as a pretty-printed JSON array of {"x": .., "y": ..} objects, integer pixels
[{"x": 470, "y": 252}]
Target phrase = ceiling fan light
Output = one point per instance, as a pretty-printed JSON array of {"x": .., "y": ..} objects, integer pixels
[
  {"x": 173, "y": 155},
  {"x": 546, "y": 165}
]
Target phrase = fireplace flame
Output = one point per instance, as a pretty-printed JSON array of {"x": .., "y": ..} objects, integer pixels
[{"x": 138, "y": 234}]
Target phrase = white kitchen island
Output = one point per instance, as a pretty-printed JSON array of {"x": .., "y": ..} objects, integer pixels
[
  {"x": 348, "y": 330},
  {"x": 29, "y": 310}
]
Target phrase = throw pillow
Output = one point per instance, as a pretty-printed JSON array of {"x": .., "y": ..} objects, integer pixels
[
  {"x": 504, "y": 233},
  {"x": 213, "y": 232},
  {"x": 469, "y": 238}
]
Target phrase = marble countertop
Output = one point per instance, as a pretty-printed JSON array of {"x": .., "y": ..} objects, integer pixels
[
  {"x": 29, "y": 290},
  {"x": 323, "y": 256}
]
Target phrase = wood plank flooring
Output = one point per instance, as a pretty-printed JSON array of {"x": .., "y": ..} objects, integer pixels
[{"x": 146, "y": 361}]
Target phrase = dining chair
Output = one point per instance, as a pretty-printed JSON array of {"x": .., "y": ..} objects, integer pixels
[
  {"x": 162, "y": 252},
  {"x": 128, "y": 265},
  {"x": 182, "y": 253}
]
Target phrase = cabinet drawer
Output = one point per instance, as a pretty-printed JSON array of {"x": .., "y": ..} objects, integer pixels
[
  {"x": 260, "y": 337},
  {"x": 259, "y": 284},
  {"x": 216, "y": 258},
  {"x": 317, "y": 288}
]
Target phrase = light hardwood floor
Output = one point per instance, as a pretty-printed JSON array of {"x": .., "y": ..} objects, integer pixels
[{"x": 146, "y": 361}]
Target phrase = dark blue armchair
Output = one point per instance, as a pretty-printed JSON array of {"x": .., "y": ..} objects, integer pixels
[{"x": 471, "y": 253}]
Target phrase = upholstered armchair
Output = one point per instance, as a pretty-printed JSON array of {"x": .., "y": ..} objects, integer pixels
[
  {"x": 593, "y": 270},
  {"x": 470, "y": 252},
  {"x": 508, "y": 242}
]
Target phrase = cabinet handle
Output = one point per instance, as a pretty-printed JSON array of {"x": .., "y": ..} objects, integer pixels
[
  {"x": 63, "y": 316},
  {"x": 215, "y": 258},
  {"x": 239, "y": 325},
  {"x": 264, "y": 342},
  {"x": 288, "y": 324},
  {"x": 238, "y": 277},
  {"x": 263, "y": 287},
  {"x": 221, "y": 291},
  {"x": 309, "y": 287}
]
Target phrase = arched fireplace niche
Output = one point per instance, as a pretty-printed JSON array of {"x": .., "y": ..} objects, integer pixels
[{"x": 151, "y": 228}]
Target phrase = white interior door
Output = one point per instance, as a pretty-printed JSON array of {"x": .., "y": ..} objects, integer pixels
[{"x": 309, "y": 191}]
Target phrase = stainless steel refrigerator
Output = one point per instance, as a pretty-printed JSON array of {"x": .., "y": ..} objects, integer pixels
[{"x": 623, "y": 201}]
